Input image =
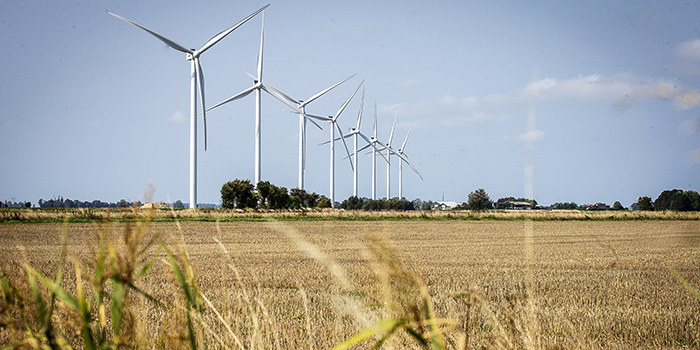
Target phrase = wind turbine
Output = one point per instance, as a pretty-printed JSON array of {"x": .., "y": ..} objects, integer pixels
[
  {"x": 258, "y": 86},
  {"x": 388, "y": 158},
  {"x": 372, "y": 142},
  {"x": 355, "y": 133},
  {"x": 196, "y": 83},
  {"x": 299, "y": 107},
  {"x": 333, "y": 120},
  {"x": 404, "y": 158}
]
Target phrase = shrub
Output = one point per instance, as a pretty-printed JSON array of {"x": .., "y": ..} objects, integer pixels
[
  {"x": 324, "y": 202},
  {"x": 238, "y": 194}
]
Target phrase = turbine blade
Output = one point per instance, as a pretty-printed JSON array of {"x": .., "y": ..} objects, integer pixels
[
  {"x": 276, "y": 94},
  {"x": 216, "y": 38},
  {"x": 362, "y": 106},
  {"x": 320, "y": 93},
  {"x": 237, "y": 96},
  {"x": 375, "y": 119},
  {"x": 342, "y": 108},
  {"x": 408, "y": 161},
  {"x": 312, "y": 121},
  {"x": 167, "y": 41},
  {"x": 283, "y": 96},
  {"x": 327, "y": 142},
  {"x": 321, "y": 118},
  {"x": 347, "y": 151},
  {"x": 403, "y": 146},
  {"x": 363, "y": 148},
  {"x": 260, "y": 54},
  {"x": 391, "y": 135},
  {"x": 200, "y": 80}
]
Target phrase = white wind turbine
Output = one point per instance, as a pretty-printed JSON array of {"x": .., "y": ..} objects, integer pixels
[
  {"x": 299, "y": 107},
  {"x": 372, "y": 142},
  {"x": 355, "y": 133},
  {"x": 333, "y": 120},
  {"x": 404, "y": 158},
  {"x": 196, "y": 83},
  {"x": 258, "y": 86},
  {"x": 389, "y": 150}
]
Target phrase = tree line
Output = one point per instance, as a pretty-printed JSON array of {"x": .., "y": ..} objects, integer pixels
[
  {"x": 674, "y": 200},
  {"x": 60, "y": 202},
  {"x": 242, "y": 194}
]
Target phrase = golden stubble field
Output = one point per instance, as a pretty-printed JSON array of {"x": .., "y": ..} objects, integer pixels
[{"x": 312, "y": 284}]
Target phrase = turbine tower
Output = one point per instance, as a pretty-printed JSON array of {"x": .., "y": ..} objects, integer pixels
[
  {"x": 196, "y": 83},
  {"x": 299, "y": 107},
  {"x": 388, "y": 159}
]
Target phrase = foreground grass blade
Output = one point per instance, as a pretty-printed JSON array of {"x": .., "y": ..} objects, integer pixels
[
  {"x": 56, "y": 289},
  {"x": 384, "y": 326},
  {"x": 189, "y": 296},
  {"x": 685, "y": 283},
  {"x": 117, "y": 306}
]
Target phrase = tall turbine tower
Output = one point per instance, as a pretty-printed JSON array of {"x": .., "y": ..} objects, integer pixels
[
  {"x": 196, "y": 83},
  {"x": 388, "y": 159}
]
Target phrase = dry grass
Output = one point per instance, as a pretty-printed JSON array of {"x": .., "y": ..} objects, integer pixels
[
  {"x": 43, "y": 215},
  {"x": 315, "y": 284}
]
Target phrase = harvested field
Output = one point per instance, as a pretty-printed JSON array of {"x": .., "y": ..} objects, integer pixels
[{"x": 313, "y": 284}]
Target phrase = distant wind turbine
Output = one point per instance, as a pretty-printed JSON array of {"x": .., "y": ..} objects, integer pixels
[
  {"x": 196, "y": 83},
  {"x": 299, "y": 107},
  {"x": 333, "y": 120},
  {"x": 372, "y": 142},
  {"x": 355, "y": 133},
  {"x": 404, "y": 158},
  {"x": 388, "y": 158}
]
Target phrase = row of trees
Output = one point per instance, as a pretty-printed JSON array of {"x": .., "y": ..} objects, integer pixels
[
  {"x": 59, "y": 202},
  {"x": 243, "y": 194},
  {"x": 356, "y": 203},
  {"x": 676, "y": 200}
]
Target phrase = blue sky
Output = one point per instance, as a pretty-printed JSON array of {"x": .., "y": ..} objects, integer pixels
[{"x": 94, "y": 108}]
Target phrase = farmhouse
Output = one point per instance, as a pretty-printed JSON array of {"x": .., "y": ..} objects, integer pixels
[
  {"x": 519, "y": 205},
  {"x": 444, "y": 205}
]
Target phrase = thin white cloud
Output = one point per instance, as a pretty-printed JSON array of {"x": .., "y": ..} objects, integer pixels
[
  {"x": 621, "y": 90},
  {"x": 694, "y": 157},
  {"x": 689, "y": 49},
  {"x": 531, "y": 136},
  {"x": 177, "y": 117},
  {"x": 690, "y": 127},
  {"x": 411, "y": 83}
]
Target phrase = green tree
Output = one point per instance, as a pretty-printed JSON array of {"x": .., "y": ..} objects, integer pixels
[
  {"x": 693, "y": 199},
  {"x": 178, "y": 204},
  {"x": 28, "y": 205},
  {"x": 352, "y": 203},
  {"x": 278, "y": 197},
  {"x": 672, "y": 200},
  {"x": 617, "y": 206},
  {"x": 264, "y": 189},
  {"x": 323, "y": 202},
  {"x": 238, "y": 194},
  {"x": 645, "y": 203},
  {"x": 478, "y": 200}
]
